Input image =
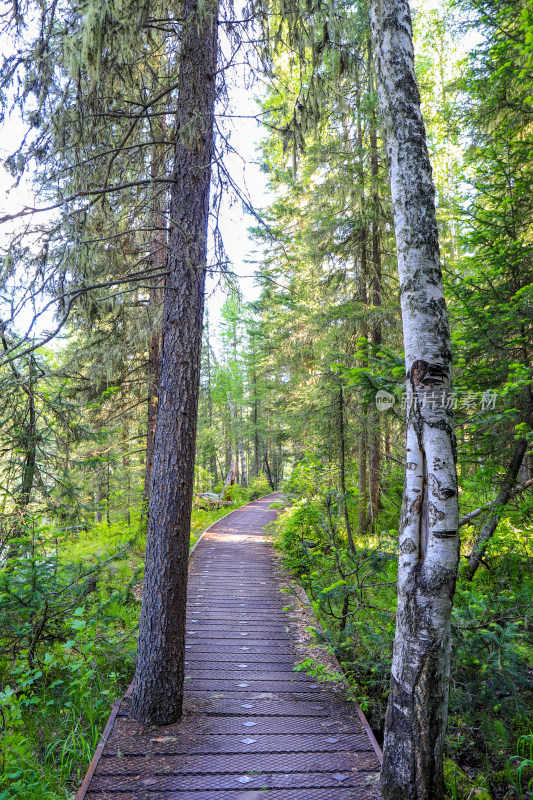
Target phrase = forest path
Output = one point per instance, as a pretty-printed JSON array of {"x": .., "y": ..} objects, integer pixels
[{"x": 254, "y": 729}]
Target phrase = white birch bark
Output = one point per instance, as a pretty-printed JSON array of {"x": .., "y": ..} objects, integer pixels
[{"x": 429, "y": 544}]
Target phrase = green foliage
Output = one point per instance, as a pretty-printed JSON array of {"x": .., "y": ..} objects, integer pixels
[
  {"x": 351, "y": 592},
  {"x": 461, "y": 787},
  {"x": 258, "y": 487},
  {"x": 522, "y": 766},
  {"x": 69, "y": 608},
  {"x": 288, "y": 382},
  {"x": 67, "y": 628},
  {"x": 318, "y": 671},
  {"x": 353, "y": 595}
]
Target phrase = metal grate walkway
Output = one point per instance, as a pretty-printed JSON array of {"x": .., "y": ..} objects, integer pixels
[{"x": 254, "y": 729}]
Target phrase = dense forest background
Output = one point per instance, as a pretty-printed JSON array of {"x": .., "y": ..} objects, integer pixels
[{"x": 289, "y": 380}]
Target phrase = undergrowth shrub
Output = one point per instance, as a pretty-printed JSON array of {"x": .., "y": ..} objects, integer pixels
[
  {"x": 354, "y": 597},
  {"x": 69, "y": 608}
]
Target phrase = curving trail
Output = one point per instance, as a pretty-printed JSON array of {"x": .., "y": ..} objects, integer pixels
[{"x": 254, "y": 729}]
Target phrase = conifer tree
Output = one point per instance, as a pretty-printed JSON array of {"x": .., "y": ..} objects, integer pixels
[{"x": 158, "y": 691}]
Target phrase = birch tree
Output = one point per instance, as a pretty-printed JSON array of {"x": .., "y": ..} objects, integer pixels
[{"x": 416, "y": 717}]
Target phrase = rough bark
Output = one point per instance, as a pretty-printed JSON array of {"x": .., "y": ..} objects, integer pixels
[
  {"x": 242, "y": 459},
  {"x": 363, "y": 333},
  {"x": 239, "y": 444},
  {"x": 29, "y": 432},
  {"x": 157, "y": 259},
  {"x": 362, "y": 475},
  {"x": 231, "y": 477},
  {"x": 126, "y": 471},
  {"x": 375, "y": 429},
  {"x": 154, "y": 355},
  {"x": 29, "y": 444},
  {"x": 268, "y": 472},
  {"x": 158, "y": 692},
  {"x": 255, "y": 423},
  {"x": 504, "y": 495},
  {"x": 417, "y": 710},
  {"x": 228, "y": 451},
  {"x": 343, "y": 471},
  {"x": 212, "y": 444}
]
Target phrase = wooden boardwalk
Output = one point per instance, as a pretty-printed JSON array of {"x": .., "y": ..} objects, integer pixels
[{"x": 254, "y": 729}]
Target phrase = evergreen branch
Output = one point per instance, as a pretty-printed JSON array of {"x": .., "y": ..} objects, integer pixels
[
  {"x": 478, "y": 511},
  {"x": 73, "y": 296}
]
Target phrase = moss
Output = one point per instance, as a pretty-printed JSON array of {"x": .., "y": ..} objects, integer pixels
[{"x": 461, "y": 787}]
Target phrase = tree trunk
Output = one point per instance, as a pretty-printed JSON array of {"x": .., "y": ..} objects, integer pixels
[
  {"x": 157, "y": 259},
  {"x": 375, "y": 432},
  {"x": 126, "y": 478},
  {"x": 415, "y": 724},
  {"x": 98, "y": 500},
  {"x": 343, "y": 471},
  {"x": 108, "y": 490},
  {"x": 158, "y": 691},
  {"x": 504, "y": 495},
  {"x": 268, "y": 472},
  {"x": 153, "y": 383},
  {"x": 212, "y": 444},
  {"x": 29, "y": 434},
  {"x": 362, "y": 475},
  {"x": 30, "y": 447},
  {"x": 363, "y": 333},
  {"x": 255, "y": 420},
  {"x": 232, "y": 475},
  {"x": 242, "y": 459},
  {"x": 228, "y": 450}
]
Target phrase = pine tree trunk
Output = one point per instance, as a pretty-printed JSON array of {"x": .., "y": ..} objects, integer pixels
[
  {"x": 212, "y": 444},
  {"x": 242, "y": 459},
  {"x": 228, "y": 452},
  {"x": 30, "y": 447},
  {"x": 126, "y": 478},
  {"x": 29, "y": 436},
  {"x": 157, "y": 259},
  {"x": 154, "y": 356},
  {"x": 343, "y": 472},
  {"x": 268, "y": 472},
  {"x": 504, "y": 495},
  {"x": 256, "y": 421},
  {"x": 98, "y": 501},
  {"x": 375, "y": 441},
  {"x": 108, "y": 490},
  {"x": 415, "y": 725},
  {"x": 158, "y": 691},
  {"x": 362, "y": 477}
]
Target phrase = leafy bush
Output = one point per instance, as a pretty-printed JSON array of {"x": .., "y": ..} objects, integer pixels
[
  {"x": 354, "y": 594},
  {"x": 522, "y": 766},
  {"x": 258, "y": 487}
]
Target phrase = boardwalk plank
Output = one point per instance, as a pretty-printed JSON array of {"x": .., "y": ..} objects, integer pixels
[{"x": 253, "y": 729}]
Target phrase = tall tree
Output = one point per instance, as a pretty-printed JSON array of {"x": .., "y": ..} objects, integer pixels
[
  {"x": 417, "y": 710},
  {"x": 158, "y": 692}
]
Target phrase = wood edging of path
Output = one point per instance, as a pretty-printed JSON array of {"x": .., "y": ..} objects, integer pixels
[
  {"x": 353, "y": 700},
  {"x": 82, "y": 791}
]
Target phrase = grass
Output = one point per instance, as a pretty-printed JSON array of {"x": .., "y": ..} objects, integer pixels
[{"x": 55, "y": 702}]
